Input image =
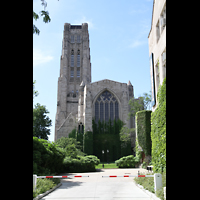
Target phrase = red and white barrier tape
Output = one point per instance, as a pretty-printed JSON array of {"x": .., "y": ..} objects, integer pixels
[
  {"x": 114, "y": 176},
  {"x": 60, "y": 176}
]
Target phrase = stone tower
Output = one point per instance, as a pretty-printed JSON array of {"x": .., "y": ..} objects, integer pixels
[{"x": 75, "y": 68}]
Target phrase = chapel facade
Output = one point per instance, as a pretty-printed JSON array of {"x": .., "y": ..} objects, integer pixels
[{"x": 78, "y": 99}]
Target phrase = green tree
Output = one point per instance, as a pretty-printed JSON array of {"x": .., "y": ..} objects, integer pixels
[
  {"x": 41, "y": 122},
  {"x": 45, "y": 14},
  {"x": 141, "y": 103},
  {"x": 71, "y": 146},
  {"x": 35, "y": 92}
]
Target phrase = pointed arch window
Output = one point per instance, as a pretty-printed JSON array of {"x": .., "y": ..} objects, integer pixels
[{"x": 106, "y": 107}]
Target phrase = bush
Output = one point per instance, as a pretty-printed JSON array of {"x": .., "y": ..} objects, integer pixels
[
  {"x": 44, "y": 185},
  {"x": 47, "y": 158},
  {"x": 80, "y": 164},
  {"x": 126, "y": 162}
]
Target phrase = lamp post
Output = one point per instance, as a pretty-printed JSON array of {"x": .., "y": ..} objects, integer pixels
[
  {"x": 107, "y": 155},
  {"x": 103, "y": 157}
]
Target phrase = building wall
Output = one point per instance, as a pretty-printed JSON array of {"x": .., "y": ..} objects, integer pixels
[
  {"x": 77, "y": 107},
  {"x": 76, "y": 38},
  {"x": 93, "y": 90},
  {"x": 157, "y": 43}
]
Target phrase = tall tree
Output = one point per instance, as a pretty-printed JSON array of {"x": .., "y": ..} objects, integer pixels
[{"x": 41, "y": 122}]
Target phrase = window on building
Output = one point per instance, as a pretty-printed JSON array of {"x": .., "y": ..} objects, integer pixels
[
  {"x": 72, "y": 38},
  {"x": 163, "y": 19},
  {"x": 72, "y": 73},
  {"x": 78, "y": 59},
  {"x": 157, "y": 31},
  {"x": 164, "y": 63},
  {"x": 78, "y": 38},
  {"x": 78, "y": 72},
  {"x": 106, "y": 107},
  {"x": 157, "y": 76},
  {"x": 72, "y": 58}
]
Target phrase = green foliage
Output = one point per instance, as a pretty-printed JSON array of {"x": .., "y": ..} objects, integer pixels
[
  {"x": 88, "y": 142},
  {"x": 126, "y": 162},
  {"x": 70, "y": 146},
  {"x": 158, "y": 131},
  {"x": 41, "y": 122},
  {"x": 44, "y": 14},
  {"x": 106, "y": 137},
  {"x": 143, "y": 121},
  {"x": 47, "y": 158},
  {"x": 44, "y": 185},
  {"x": 106, "y": 166},
  {"x": 72, "y": 134},
  {"x": 80, "y": 164},
  {"x": 141, "y": 103},
  {"x": 146, "y": 182},
  {"x": 35, "y": 92}
]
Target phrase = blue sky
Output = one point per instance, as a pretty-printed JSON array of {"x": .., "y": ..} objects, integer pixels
[{"x": 118, "y": 31}]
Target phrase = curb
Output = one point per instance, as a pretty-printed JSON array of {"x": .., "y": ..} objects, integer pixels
[
  {"x": 47, "y": 192},
  {"x": 152, "y": 195}
]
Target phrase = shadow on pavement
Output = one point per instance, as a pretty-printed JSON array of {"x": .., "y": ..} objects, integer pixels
[{"x": 69, "y": 184}]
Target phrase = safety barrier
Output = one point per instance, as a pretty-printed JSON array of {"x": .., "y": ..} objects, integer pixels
[
  {"x": 112, "y": 176},
  {"x": 157, "y": 178},
  {"x": 35, "y": 178}
]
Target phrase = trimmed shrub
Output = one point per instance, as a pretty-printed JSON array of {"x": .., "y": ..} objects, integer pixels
[
  {"x": 80, "y": 164},
  {"x": 126, "y": 162},
  {"x": 143, "y": 120}
]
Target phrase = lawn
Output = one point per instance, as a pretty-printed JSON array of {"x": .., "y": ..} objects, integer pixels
[{"x": 106, "y": 166}]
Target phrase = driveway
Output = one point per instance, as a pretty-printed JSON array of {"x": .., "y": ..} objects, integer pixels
[{"x": 95, "y": 187}]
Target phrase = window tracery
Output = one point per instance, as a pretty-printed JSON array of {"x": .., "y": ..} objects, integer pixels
[{"x": 106, "y": 107}]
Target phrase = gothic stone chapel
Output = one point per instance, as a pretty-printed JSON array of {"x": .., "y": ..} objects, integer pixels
[{"x": 81, "y": 102}]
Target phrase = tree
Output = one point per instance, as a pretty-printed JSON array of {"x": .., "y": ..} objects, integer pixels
[
  {"x": 41, "y": 122},
  {"x": 43, "y": 13},
  {"x": 35, "y": 92},
  {"x": 139, "y": 104}
]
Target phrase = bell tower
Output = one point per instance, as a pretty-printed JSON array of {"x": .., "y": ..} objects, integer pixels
[{"x": 75, "y": 67}]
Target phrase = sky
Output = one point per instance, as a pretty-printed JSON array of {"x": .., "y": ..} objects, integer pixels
[{"x": 118, "y": 33}]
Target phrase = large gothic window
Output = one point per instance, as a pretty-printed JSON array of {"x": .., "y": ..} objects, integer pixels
[{"x": 106, "y": 107}]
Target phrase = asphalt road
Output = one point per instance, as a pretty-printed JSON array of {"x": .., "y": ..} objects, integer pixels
[{"x": 98, "y": 188}]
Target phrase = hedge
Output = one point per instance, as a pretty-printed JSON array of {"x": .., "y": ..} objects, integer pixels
[
  {"x": 158, "y": 131},
  {"x": 143, "y": 121},
  {"x": 80, "y": 164},
  {"x": 126, "y": 162}
]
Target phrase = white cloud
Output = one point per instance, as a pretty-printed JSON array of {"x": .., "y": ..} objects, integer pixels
[
  {"x": 40, "y": 57},
  {"x": 84, "y": 20},
  {"x": 137, "y": 43}
]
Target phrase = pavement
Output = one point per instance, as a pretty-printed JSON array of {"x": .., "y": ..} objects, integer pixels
[{"x": 95, "y": 187}]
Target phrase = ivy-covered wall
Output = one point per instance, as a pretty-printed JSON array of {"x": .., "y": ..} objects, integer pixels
[
  {"x": 158, "y": 131},
  {"x": 106, "y": 137},
  {"x": 88, "y": 143},
  {"x": 143, "y": 123}
]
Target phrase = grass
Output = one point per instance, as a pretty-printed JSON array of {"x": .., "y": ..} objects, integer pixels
[
  {"x": 148, "y": 184},
  {"x": 106, "y": 166},
  {"x": 44, "y": 185}
]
